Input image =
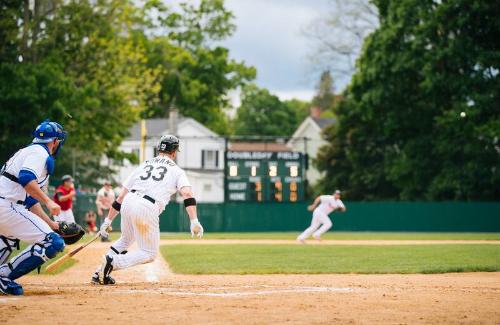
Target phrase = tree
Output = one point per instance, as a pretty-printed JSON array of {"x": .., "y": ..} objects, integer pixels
[
  {"x": 194, "y": 75},
  {"x": 98, "y": 66},
  {"x": 77, "y": 63},
  {"x": 325, "y": 97},
  {"x": 262, "y": 113},
  {"x": 400, "y": 132},
  {"x": 339, "y": 35}
]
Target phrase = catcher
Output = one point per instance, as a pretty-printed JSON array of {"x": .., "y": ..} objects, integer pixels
[{"x": 22, "y": 180}]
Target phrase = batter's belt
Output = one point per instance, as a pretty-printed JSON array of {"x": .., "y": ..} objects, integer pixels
[{"x": 146, "y": 197}]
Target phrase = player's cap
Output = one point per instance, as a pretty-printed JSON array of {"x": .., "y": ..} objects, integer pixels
[
  {"x": 338, "y": 192},
  {"x": 107, "y": 182},
  {"x": 48, "y": 131},
  {"x": 67, "y": 178},
  {"x": 168, "y": 143}
]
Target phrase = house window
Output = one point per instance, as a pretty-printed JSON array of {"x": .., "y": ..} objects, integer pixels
[{"x": 209, "y": 159}]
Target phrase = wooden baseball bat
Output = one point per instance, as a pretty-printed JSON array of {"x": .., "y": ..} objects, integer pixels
[{"x": 57, "y": 263}]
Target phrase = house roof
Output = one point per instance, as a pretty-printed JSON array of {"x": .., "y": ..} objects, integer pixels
[
  {"x": 258, "y": 146},
  {"x": 156, "y": 127},
  {"x": 323, "y": 122},
  {"x": 317, "y": 124}
]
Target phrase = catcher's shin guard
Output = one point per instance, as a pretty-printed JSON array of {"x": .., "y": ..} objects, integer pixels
[
  {"x": 33, "y": 257},
  {"x": 7, "y": 246}
]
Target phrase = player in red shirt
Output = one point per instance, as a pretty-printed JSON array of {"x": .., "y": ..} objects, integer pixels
[{"x": 64, "y": 197}]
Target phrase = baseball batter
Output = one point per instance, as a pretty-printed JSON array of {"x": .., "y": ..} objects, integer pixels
[
  {"x": 322, "y": 206},
  {"x": 144, "y": 196},
  {"x": 22, "y": 179}
]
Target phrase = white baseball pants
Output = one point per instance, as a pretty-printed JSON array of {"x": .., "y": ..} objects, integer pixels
[
  {"x": 319, "y": 225},
  {"x": 17, "y": 222},
  {"x": 139, "y": 222},
  {"x": 66, "y": 215}
]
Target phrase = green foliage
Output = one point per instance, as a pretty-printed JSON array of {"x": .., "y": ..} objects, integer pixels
[
  {"x": 400, "y": 134},
  {"x": 325, "y": 97},
  {"x": 262, "y": 113},
  {"x": 195, "y": 76},
  {"x": 313, "y": 259},
  {"x": 28, "y": 94},
  {"x": 98, "y": 66}
]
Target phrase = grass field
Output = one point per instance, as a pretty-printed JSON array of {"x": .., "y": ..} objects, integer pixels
[
  {"x": 266, "y": 259},
  {"x": 334, "y": 235},
  {"x": 269, "y": 259}
]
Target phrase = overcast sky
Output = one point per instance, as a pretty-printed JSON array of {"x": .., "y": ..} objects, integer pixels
[{"x": 269, "y": 37}]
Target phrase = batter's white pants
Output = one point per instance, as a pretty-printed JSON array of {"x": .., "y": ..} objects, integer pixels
[
  {"x": 66, "y": 215},
  {"x": 17, "y": 222},
  {"x": 319, "y": 225},
  {"x": 139, "y": 222}
]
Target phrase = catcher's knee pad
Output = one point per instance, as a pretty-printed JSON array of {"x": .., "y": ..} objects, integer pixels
[
  {"x": 35, "y": 255},
  {"x": 7, "y": 246}
]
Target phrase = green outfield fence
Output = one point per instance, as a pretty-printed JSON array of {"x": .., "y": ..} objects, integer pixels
[{"x": 360, "y": 216}]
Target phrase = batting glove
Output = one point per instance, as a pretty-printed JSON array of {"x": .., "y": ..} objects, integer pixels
[
  {"x": 103, "y": 231},
  {"x": 196, "y": 228}
]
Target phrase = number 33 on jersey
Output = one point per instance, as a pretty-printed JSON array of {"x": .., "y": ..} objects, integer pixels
[{"x": 159, "y": 177}]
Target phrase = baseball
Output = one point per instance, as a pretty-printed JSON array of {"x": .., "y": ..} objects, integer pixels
[{"x": 462, "y": 115}]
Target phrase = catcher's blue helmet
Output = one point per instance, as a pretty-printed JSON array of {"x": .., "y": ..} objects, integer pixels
[{"x": 48, "y": 131}]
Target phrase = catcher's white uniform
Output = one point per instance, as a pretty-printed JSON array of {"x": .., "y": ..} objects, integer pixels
[
  {"x": 320, "y": 221},
  {"x": 151, "y": 185},
  {"x": 15, "y": 220}
]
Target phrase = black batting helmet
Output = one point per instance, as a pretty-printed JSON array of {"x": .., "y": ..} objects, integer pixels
[{"x": 168, "y": 143}]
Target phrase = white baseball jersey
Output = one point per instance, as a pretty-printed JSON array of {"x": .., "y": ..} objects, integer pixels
[
  {"x": 159, "y": 178},
  {"x": 328, "y": 204},
  {"x": 33, "y": 158}
]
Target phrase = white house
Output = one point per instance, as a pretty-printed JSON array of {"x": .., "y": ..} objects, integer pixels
[
  {"x": 308, "y": 139},
  {"x": 201, "y": 153}
]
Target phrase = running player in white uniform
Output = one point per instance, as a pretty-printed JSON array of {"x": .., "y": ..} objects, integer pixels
[
  {"x": 22, "y": 179},
  {"x": 323, "y": 205},
  {"x": 144, "y": 196}
]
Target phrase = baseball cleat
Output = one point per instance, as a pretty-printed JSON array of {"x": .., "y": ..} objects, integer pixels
[
  {"x": 106, "y": 268},
  {"x": 301, "y": 241},
  {"x": 107, "y": 281},
  {"x": 9, "y": 287}
]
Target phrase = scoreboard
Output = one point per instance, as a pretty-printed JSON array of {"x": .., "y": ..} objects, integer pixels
[{"x": 261, "y": 176}]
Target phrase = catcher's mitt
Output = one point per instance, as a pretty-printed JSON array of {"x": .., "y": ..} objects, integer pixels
[{"x": 70, "y": 232}]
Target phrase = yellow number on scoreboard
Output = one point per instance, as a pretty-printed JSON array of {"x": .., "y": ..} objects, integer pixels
[{"x": 233, "y": 170}]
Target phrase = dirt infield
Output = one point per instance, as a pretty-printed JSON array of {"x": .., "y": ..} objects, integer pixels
[{"x": 151, "y": 293}]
